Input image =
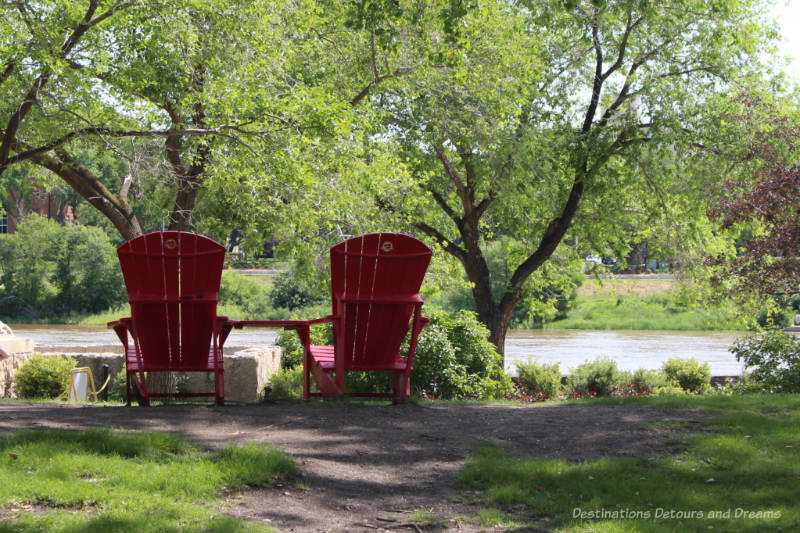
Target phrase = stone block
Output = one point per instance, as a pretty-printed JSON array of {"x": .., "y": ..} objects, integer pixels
[
  {"x": 246, "y": 373},
  {"x": 247, "y": 370},
  {"x": 19, "y": 350},
  {"x": 9, "y": 367}
]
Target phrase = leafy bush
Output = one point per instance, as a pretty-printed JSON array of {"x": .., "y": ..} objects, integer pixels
[
  {"x": 48, "y": 269},
  {"x": 251, "y": 297},
  {"x": 290, "y": 293},
  {"x": 774, "y": 358},
  {"x": 794, "y": 303},
  {"x": 116, "y": 387},
  {"x": 44, "y": 377},
  {"x": 455, "y": 360},
  {"x": 286, "y": 384},
  {"x": 648, "y": 380},
  {"x": 596, "y": 378},
  {"x": 293, "y": 348},
  {"x": 540, "y": 379},
  {"x": 688, "y": 374},
  {"x": 770, "y": 318}
]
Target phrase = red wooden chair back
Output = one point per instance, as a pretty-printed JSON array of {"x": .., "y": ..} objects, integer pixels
[
  {"x": 370, "y": 276},
  {"x": 173, "y": 282}
]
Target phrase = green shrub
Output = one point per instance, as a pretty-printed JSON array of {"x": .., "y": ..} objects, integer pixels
[
  {"x": 596, "y": 378},
  {"x": 293, "y": 348},
  {"x": 455, "y": 360},
  {"x": 116, "y": 387},
  {"x": 290, "y": 293},
  {"x": 286, "y": 384},
  {"x": 774, "y": 360},
  {"x": 688, "y": 374},
  {"x": 251, "y": 297},
  {"x": 648, "y": 380},
  {"x": 669, "y": 390},
  {"x": 772, "y": 318},
  {"x": 44, "y": 377},
  {"x": 48, "y": 269},
  {"x": 541, "y": 378}
]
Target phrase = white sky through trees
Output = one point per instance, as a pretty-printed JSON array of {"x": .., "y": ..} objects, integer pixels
[{"x": 787, "y": 14}]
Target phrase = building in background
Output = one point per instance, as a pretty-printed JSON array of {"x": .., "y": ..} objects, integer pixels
[{"x": 46, "y": 203}]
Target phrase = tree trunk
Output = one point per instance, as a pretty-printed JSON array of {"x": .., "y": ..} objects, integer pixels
[
  {"x": 181, "y": 216},
  {"x": 493, "y": 316},
  {"x": 81, "y": 179}
]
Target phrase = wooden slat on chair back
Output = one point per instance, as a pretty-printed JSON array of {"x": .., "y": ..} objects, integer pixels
[
  {"x": 173, "y": 281},
  {"x": 374, "y": 268}
]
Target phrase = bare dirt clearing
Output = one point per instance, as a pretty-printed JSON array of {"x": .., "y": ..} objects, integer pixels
[{"x": 370, "y": 467}]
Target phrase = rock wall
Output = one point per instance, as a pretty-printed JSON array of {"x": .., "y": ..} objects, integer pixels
[
  {"x": 19, "y": 350},
  {"x": 246, "y": 371},
  {"x": 8, "y": 367}
]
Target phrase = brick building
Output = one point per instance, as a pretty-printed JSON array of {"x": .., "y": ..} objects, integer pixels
[{"x": 43, "y": 202}]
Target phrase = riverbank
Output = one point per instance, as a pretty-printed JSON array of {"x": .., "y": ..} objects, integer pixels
[{"x": 646, "y": 304}]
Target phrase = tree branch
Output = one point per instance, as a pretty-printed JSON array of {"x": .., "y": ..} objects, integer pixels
[
  {"x": 449, "y": 246},
  {"x": 451, "y": 173},
  {"x": 379, "y": 79}
]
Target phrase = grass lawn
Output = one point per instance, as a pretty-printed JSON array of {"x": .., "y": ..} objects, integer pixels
[
  {"x": 643, "y": 304},
  {"x": 653, "y": 312},
  {"x": 739, "y": 473},
  {"x": 105, "y": 480}
]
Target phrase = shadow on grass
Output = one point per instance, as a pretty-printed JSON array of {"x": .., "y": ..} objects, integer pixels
[{"x": 742, "y": 476}]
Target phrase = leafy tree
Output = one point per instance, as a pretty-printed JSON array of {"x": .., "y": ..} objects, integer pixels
[
  {"x": 227, "y": 96},
  {"x": 539, "y": 118},
  {"x": 763, "y": 207}
]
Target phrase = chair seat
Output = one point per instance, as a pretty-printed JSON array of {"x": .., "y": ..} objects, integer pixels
[
  {"x": 325, "y": 357},
  {"x": 133, "y": 364}
]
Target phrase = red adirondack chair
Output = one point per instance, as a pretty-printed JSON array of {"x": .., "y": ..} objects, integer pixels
[
  {"x": 375, "y": 281},
  {"x": 173, "y": 281}
]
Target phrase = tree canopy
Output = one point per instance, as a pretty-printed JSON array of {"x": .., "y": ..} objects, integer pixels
[
  {"x": 540, "y": 118},
  {"x": 514, "y": 126}
]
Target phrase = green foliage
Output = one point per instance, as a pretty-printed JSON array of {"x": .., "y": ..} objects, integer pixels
[
  {"x": 688, "y": 374},
  {"x": 773, "y": 360},
  {"x": 246, "y": 294},
  {"x": 286, "y": 383},
  {"x": 596, "y": 378},
  {"x": 648, "y": 380},
  {"x": 44, "y": 377},
  {"x": 116, "y": 387},
  {"x": 289, "y": 292},
  {"x": 772, "y": 318},
  {"x": 544, "y": 379},
  {"x": 105, "y": 480},
  {"x": 52, "y": 270},
  {"x": 293, "y": 348},
  {"x": 454, "y": 359},
  {"x": 654, "y": 312}
]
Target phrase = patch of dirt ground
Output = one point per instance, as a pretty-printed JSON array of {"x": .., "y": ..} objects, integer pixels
[{"x": 372, "y": 466}]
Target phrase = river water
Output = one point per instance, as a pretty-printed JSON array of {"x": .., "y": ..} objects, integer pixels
[{"x": 630, "y": 349}]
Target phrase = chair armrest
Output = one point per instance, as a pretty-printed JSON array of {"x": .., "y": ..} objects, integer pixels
[
  {"x": 286, "y": 324},
  {"x": 122, "y": 322},
  {"x": 121, "y": 328},
  {"x": 222, "y": 328}
]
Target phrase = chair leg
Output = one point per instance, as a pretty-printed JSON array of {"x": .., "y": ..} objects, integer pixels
[
  {"x": 140, "y": 389},
  {"x": 400, "y": 387},
  {"x": 306, "y": 374},
  {"x": 127, "y": 388},
  {"x": 219, "y": 387}
]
